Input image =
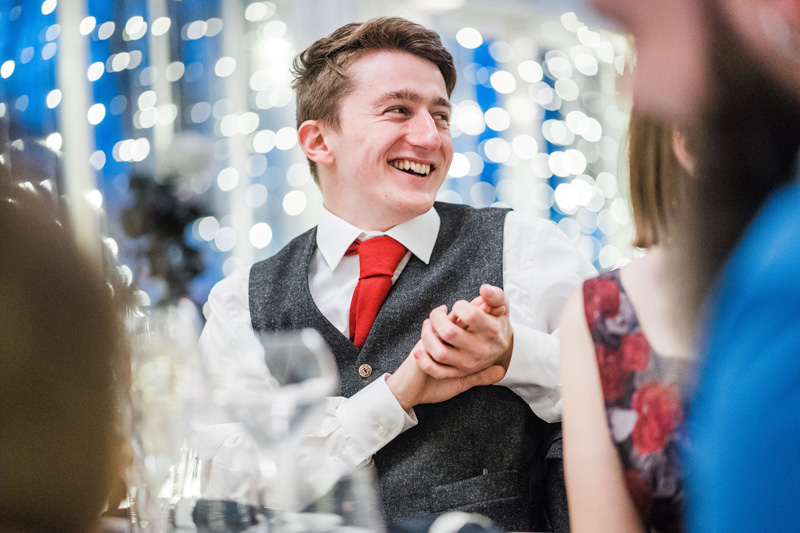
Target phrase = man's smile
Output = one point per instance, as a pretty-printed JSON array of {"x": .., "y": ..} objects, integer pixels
[{"x": 412, "y": 167}]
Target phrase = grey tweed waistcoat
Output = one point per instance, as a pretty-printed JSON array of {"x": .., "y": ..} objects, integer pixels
[{"x": 472, "y": 453}]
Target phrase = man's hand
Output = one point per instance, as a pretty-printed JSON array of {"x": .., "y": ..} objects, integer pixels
[
  {"x": 472, "y": 337},
  {"x": 411, "y": 386}
]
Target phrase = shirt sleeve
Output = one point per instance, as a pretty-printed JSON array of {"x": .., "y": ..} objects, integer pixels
[
  {"x": 541, "y": 269},
  {"x": 351, "y": 430}
]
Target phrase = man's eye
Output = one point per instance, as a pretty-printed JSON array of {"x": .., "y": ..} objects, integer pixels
[
  {"x": 442, "y": 118},
  {"x": 397, "y": 111}
]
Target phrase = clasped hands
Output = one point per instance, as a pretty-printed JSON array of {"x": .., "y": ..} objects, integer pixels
[{"x": 464, "y": 348}]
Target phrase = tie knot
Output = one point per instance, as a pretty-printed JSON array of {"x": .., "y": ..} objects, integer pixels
[{"x": 379, "y": 256}]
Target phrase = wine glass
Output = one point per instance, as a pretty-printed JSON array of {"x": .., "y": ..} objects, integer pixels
[
  {"x": 279, "y": 402},
  {"x": 166, "y": 385}
]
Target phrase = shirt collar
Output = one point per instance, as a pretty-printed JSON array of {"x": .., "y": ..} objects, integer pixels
[{"x": 418, "y": 235}]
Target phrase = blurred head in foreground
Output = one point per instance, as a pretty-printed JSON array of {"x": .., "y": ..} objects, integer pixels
[
  {"x": 58, "y": 344},
  {"x": 728, "y": 71}
]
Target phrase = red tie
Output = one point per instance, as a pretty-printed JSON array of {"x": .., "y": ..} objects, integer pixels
[{"x": 378, "y": 258}]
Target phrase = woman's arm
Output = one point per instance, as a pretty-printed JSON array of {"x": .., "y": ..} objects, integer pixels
[{"x": 596, "y": 494}]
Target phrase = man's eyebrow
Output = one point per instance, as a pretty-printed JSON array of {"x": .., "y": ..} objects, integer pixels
[{"x": 409, "y": 96}]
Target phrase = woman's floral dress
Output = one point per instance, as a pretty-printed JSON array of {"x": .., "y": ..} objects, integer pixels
[{"x": 643, "y": 403}]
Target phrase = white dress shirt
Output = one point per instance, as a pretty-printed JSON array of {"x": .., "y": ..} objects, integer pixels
[{"x": 541, "y": 268}]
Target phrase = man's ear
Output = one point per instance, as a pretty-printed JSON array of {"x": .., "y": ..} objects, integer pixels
[{"x": 311, "y": 137}]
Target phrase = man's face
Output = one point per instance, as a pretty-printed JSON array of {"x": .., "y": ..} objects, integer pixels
[
  {"x": 671, "y": 52},
  {"x": 397, "y": 117}
]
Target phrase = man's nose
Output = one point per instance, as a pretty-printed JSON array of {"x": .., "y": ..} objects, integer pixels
[{"x": 424, "y": 133}]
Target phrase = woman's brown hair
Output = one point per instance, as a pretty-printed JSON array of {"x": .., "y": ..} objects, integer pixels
[{"x": 656, "y": 178}]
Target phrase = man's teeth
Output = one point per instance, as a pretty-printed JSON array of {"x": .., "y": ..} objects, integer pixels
[{"x": 418, "y": 168}]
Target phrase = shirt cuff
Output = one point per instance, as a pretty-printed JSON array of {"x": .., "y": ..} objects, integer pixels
[
  {"x": 534, "y": 358},
  {"x": 533, "y": 371},
  {"x": 373, "y": 416}
]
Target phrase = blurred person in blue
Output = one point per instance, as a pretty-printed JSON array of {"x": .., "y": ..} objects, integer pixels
[
  {"x": 625, "y": 363},
  {"x": 472, "y": 296},
  {"x": 732, "y": 70},
  {"x": 60, "y": 352}
]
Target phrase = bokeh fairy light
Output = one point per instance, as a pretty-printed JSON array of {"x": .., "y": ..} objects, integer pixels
[
  {"x": 197, "y": 94},
  {"x": 538, "y": 123}
]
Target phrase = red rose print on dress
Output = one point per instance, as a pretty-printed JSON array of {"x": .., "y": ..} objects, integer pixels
[
  {"x": 612, "y": 372},
  {"x": 615, "y": 365},
  {"x": 642, "y": 404},
  {"x": 600, "y": 299},
  {"x": 659, "y": 409},
  {"x": 635, "y": 352}
]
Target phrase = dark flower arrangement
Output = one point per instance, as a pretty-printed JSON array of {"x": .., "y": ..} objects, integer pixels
[{"x": 158, "y": 213}]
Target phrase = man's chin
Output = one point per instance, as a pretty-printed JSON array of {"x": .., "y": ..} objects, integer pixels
[{"x": 409, "y": 208}]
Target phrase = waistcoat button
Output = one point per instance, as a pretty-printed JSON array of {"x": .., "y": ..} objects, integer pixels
[{"x": 365, "y": 371}]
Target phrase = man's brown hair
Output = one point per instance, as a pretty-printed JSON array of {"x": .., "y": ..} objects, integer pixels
[
  {"x": 321, "y": 73},
  {"x": 656, "y": 179}
]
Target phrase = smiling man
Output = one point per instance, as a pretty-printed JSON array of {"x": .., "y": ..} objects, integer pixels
[{"x": 469, "y": 297}]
